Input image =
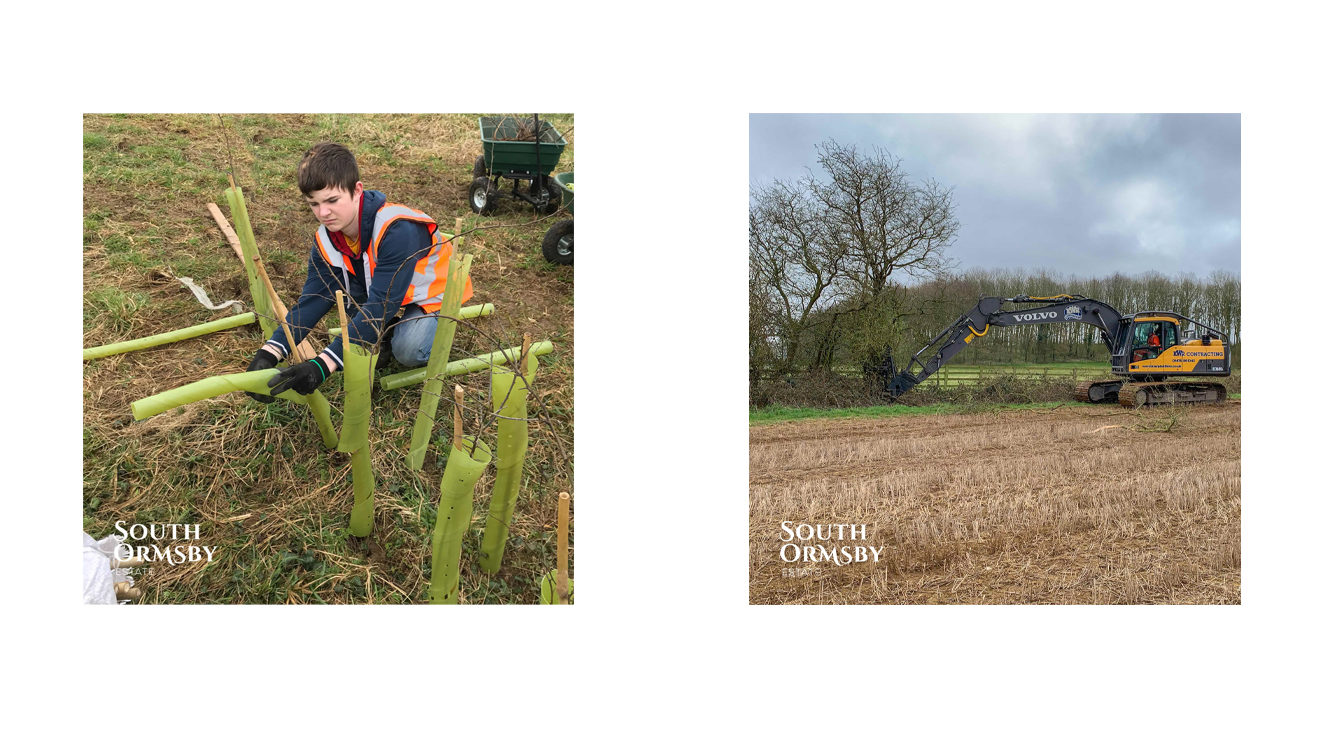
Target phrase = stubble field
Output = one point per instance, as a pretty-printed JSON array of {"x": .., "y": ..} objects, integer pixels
[{"x": 1073, "y": 505}]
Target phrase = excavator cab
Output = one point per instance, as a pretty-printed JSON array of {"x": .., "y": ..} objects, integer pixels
[{"x": 1152, "y": 337}]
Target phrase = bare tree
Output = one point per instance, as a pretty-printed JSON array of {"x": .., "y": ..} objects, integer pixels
[
  {"x": 826, "y": 247},
  {"x": 796, "y": 267},
  {"x": 880, "y": 221}
]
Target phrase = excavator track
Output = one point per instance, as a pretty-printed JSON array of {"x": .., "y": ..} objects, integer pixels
[
  {"x": 1142, "y": 394},
  {"x": 1087, "y": 392}
]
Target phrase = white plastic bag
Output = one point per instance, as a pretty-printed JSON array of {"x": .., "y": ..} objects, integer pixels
[{"x": 100, "y": 574}]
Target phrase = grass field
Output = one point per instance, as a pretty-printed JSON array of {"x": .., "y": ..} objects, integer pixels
[
  {"x": 955, "y": 374},
  {"x": 953, "y": 388},
  {"x": 776, "y": 413},
  {"x": 1085, "y": 505},
  {"x": 256, "y": 478}
]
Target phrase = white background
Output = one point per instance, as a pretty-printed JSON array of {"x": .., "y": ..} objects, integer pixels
[{"x": 661, "y": 646}]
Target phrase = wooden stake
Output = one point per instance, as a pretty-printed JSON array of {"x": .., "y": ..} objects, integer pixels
[
  {"x": 458, "y": 231},
  {"x": 284, "y": 325},
  {"x": 522, "y": 359},
  {"x": 304, "y": 347},
  {"x": 343, "y": 318},
  {"x": 458, "y": 416},
  {"x": 561, "y": 571},
  {"x": 226, "y": 229}
]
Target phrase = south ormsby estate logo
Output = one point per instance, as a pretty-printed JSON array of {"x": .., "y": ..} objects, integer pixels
[
  {"x": 839, "y": 544},
  {"x": 159, "y": 549}
]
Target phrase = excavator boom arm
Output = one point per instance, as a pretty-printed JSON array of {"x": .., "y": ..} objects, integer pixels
[{"x": 989, "y": 311}]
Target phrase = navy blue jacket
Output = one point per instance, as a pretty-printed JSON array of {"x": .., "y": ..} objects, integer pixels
[{"x": 403, "y": 244}]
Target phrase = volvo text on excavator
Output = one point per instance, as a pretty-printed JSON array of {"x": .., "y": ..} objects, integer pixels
[{"x": 1149, "y": 352}]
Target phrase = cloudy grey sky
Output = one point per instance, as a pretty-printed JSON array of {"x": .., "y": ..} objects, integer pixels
[{"x": 1084, "y": 194}]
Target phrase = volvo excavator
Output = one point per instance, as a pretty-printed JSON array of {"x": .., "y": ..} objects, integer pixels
[{"x": 1149, "y": 352}]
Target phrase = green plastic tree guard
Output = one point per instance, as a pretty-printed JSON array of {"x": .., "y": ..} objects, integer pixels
[
  {"x": 359, "y": 367},
  {"x": 320, "y": 408},
  {"x": 439, "y": 359},
  {"x": 550, "y": 590},
  {"x": 464, "y": 366},
  {"x": 248, "y": 241},
  {"x": 509, "y": 400},
  {"x": 453, "y": 515},
  {"x": 362, "y": 519},
  {"x": 152, "y": 341},
  {"x": 248, "y": 381}
]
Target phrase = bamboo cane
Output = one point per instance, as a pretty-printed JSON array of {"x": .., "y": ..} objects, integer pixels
[
  {"x": 438, "y": 361},
  {"x": 464, "y": 366},
  {"x": 561, "y": 550},
  {"x": 458, "y": 415},
  {"x": 152, "y": 341},
  {"x": 509, "y": 399}
]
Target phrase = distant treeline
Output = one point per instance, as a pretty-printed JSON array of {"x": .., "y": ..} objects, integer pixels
[{"x": 851, "y": 334}]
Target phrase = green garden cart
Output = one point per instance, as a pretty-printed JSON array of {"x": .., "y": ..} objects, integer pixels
[
  {"x": 557, "y": 246},
  {"x": 523, "y": 149}
]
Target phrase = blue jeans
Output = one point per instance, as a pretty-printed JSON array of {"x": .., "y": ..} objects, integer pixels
[{"x": 413, "y": 336}]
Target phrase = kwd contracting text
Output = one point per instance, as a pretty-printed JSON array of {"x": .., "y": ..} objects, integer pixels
[{"x": 792, "y": 552}]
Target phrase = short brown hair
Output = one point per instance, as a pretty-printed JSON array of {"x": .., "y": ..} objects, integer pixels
[{"x": 326, "y": 165}]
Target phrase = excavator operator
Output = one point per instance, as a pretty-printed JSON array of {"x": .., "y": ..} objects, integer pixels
[{"x": 1152, "y": 346}]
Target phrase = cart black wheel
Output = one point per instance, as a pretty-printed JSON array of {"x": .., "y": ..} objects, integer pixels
[
  {"x": 482, "y": 198},
  {"x": 551, "y": 191},
  {"x": 557, "y": 246},
  {"x": 479, "y": 166}
]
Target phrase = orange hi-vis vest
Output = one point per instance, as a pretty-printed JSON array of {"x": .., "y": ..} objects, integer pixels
[{"x": 428, "y": 280}]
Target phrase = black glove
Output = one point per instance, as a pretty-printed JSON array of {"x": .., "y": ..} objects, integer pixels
[
  {"x": 263, "y": 360},
  {"x": 302, "y": 378}
]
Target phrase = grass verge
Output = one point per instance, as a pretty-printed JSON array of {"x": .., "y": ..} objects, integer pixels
[{"x": 776, "y": 413}]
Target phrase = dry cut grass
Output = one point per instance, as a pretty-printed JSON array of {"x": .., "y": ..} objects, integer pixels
[
  {"x": 256, "y": 478},
  {"x": 1075, "y": 505}
]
